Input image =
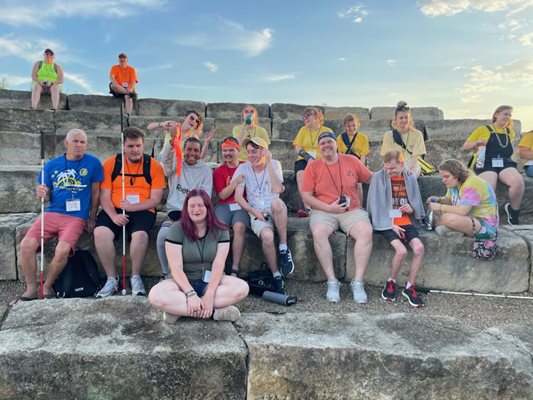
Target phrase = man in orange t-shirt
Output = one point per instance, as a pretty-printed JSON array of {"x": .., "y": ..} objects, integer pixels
[
  {"x": 123, "y": 80},
  {"x": 143, "y": 192},
  {"x": 330, "y": 187}
]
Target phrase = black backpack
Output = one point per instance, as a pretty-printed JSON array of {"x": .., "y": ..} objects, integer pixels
[
  {"x": 117, "y": 169},
  {"x": 80, "y": 276},
  {"x": 261, "y": 281}
]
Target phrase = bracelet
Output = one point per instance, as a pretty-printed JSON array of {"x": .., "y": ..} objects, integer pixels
[{"x": 190, "y": 293}]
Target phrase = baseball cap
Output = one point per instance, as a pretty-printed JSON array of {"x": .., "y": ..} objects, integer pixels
[
  {"x": 48, "y": 51},
  {"x": 256, "y": 140},
  {"x": 326, "y": 135}
]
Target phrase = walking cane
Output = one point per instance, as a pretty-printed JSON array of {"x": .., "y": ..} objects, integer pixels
[
  {"x": 124, "y": 290},
  {"x": 473, "y": 294},
  {"x": 41, "y": 273}
]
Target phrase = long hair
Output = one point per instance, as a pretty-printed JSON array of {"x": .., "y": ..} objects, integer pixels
[
  {"x": 499, "y": 110},
  {"x": 456, "y": 168},
  {"x": 213, "y": 223},
  {"x": 402, "y": 106},
  {"x": 315, "y": 111}
]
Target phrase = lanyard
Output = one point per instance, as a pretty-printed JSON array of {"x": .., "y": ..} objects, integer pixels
[
  {"x": 262, "y": 180},
  {"x": 340, "y": 176},
  {"x": 316, "y": 137},
  {"x": 201, "y": 250},
  {"x": 67, "y": 184},
  {"x": 133, "y": 177}
]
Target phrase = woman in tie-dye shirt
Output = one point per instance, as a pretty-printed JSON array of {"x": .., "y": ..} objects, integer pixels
[{"x": 470, "y": 204}]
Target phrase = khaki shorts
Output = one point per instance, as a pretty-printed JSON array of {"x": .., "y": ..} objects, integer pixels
[
  {"x": 344, "y": 221},
  {"x": 257, "y": 226}
]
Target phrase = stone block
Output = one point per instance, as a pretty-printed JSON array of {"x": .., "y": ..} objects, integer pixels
[
  {"x": 111, "y": 349},
  {"x": 418, "y": 113},
  {"x": 283, "y": 151},
  {"x": 170, "y": 108},
  {"x": 225, "y": 126},
  {"x": 8, "y": 225},
  {"x": 459, "y": 129},
  {"x": 22, "y": 99},
  {"x": 361, "y": 356},
  {"x": 25, "y": 148},
  {"x": 290, "y": 111},
  {"x": 24, "y": 120},
  {"x": 17, "y": 188},
  {"x": 526, "y": 233},
  {"x": 232, "y": 110},
  {"x": 448, "y": 264},
  {"x": 286, "y": 129},
  {"x": 290, "y": 195},
  {"x": 94, "y": 103},
  {"x": 340, "y": 112}
]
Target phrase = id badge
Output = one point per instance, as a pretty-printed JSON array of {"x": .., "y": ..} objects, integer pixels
[
  {"x": 348, "y": 202},
  {"x": 395, "y": 213},
  {"x": 234, "y": 207},
  {"x": 207, "y": 276},
  {"x": 312, "y": 153},
  {"x": 261, "y": 203},
  {"x": 497, "y": 162},
  {"x": 124, "y": 84},
  {"x": 73, "y": 205},
  {"x": 133, "y": 198}
]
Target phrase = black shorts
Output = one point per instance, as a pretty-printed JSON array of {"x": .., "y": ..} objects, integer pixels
[
  {"x": 299, "y": 165},
  {"x": 174, "y": 215},
  {"x": 488, "y": 167},
  {"x": 410, "y": 233},
  {"x": 138, "y": 221},
  {"x": 120, "y": 95}
]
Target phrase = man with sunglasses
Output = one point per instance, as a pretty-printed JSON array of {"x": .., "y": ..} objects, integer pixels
[
  {"x": 123, "y": 81},
  {"x": 47, "y": 77}
]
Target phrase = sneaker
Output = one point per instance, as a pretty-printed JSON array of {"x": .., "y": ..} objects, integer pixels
[
  {"x": 412, "y": 296},
  {"x": 279, "y": 284},
  {"x": 286, "y": 263},
  {"x": 512, "y": 215},
  {"x": 170, "y": 318},
  {"x": 230, "y": 313},
  {"x": 110, "y": 288},
  {"x": 333, "y": 295},
  {"x": 389, "y": 291},
  {"x": 137, "y": 287},
  {"x": 359, "y": 294}
]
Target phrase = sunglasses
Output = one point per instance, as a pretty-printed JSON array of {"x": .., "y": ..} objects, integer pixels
[
  {"x": 194, "y": 118},
  {"x": 48, "y": 54},
  {"x": 248, "y": 110}
]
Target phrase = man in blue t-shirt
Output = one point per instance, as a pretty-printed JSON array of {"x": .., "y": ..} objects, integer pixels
[{"x": 72, "y": 188}]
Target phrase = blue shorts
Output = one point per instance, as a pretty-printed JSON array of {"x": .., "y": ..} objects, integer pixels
[{"x": 199, "y": 287}]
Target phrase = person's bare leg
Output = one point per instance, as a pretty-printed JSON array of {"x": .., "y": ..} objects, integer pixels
[
  {"x": 105, "y": 248},
  {"x": 321, "y": 234},
  {"x": 57, "y": 264},
  {"x": 36, "y": 95}
]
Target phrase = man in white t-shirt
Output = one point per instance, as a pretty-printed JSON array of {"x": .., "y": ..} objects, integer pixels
[{"x": 263, "y": 181}]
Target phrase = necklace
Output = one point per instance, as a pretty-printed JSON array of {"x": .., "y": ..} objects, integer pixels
[
  {"x": 316, "y": 137},
  {"x": 498, "y": 138},
  {"x": 260, "y": 186},
  {"x": 340, "y": 176},
  {"x": 133, "y": 177}
]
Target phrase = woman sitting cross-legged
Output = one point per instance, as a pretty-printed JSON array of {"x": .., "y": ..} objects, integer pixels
[{"x": 197, "y": 246}]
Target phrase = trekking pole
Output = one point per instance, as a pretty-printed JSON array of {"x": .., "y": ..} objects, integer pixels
[
  {"x": 124, "y": 291},
  {"x": 500, "y": 296},
  {"x": 41, "y": 271}
]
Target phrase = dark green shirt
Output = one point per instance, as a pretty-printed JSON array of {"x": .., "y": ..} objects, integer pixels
[{"x": 197, "y": 255}]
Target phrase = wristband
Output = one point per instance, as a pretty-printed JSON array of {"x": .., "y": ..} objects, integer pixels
[{"x": 190, "y": 293}]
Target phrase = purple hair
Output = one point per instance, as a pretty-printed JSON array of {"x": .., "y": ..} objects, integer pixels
[{"x": 189, "y": 229}]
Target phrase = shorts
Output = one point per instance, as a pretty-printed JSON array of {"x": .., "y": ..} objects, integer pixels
[
  {"x": 344, "y": 221},
  {"x": 138, "y": 221},
  {"x": 174, "y": 215},
  {"x": 299, "y": 165},
  {"x": 120, "y": 95},
  {"x": 199, "y": 287},
  {"x": 486, "y": 232},
  {"x": 506, "y": 164},
  {"x": 229, "y": 217},
  {"x": 528, "y": 169},
  {"x": 66, "y": 227},
  {"x": 257, "y": 226},
  {"x": 410, "y": 233}
]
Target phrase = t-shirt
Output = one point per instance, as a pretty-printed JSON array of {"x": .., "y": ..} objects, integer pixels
[
  {"x": 527, "y": 141},
  {"x": 71, "y": 179},
  {"x": 124, "y": 76},
  {"x": 258, "y": 185},
  {"x": 135, "y": 186},
  {"x": 258, "y": 131},
  {"x": 414, "y": 141},
  {"x": 478, "y": 194},
  {"x": 324, "y": 181},
  {"x": 197, "y": 255},
  {"x": 399, "y": 198},
  {"x": 482, "y": 132},
  {"x": 221, "y": 179},
  {"x": 309, "y": 140},
  {"x": 360, "y": 146}
]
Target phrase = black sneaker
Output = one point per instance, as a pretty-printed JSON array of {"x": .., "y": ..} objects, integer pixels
[
  {"x": 512, "y": 215},
  {"x": 412, "y": 296},
  {"x": 279, "y": 284},
  {"x": 286, "y": 264},
  {"x": 389, "y": 291}
]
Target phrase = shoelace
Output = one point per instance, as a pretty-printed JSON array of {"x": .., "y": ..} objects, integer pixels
[{"x": 390, "y": 286}]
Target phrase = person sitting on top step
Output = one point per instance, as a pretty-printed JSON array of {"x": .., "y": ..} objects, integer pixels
[
  {"x": 123, "y": 82},
  {"x": 47, "y": 76}
]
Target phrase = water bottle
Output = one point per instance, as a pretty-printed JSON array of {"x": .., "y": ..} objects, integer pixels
[
  {"x": 430, "y": 221},
  {"x": 480, "y": 161},
  {"x": 280, "y": 298},
  {"x": 249, "y": 118}
]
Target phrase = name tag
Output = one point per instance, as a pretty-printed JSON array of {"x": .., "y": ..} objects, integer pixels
[
  {"x": 497, "y": 162},
  {"x": 125, "y": 84},
  {"x": 207, "y": 276},
  {"x": 234, "y": 207},
  {"x": 312, "y": 153},
  {"x": 348, "y": 201},
  {"x": 73, "y": 205},
  {"x": 133, "y": 198},
  {"x": 395, "y": 213}
]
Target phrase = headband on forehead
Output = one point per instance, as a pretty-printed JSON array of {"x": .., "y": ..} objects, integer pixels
[
  {"x": 230, "y": 143},
  {"x": 324, "y": 135}
]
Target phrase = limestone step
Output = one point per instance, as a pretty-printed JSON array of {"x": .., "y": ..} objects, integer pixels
[
  {"x": 110, "y": 348},
  {"x": 22, "y": 99}
]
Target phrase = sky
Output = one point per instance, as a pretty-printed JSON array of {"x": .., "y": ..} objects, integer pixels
[{"x": 464, "y": 56}]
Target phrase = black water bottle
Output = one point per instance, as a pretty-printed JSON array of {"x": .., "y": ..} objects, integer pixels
[{"x": 280, "y": 298}]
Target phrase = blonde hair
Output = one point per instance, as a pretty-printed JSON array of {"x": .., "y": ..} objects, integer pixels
[
  {"x": 402, "y": 106},
  {"x": 499, "y": 110},
  {"x": 395, "y": 155},
  {"x": 351, "y": 118},
  {"x": 317, "y": 112}
]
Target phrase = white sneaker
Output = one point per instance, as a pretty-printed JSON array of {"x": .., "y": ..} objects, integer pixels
[
  {"x": 333, "y": 295},
  {"x": 110, "y": 288},
  {"x": 442, "y": 230},
  {"x": 137, "y": 287},
  {"x": 359, "y": 294},
  {"x": 230, "y": 313}
]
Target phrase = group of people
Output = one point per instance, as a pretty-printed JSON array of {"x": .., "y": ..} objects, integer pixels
[{"x": 193, "y": 242}]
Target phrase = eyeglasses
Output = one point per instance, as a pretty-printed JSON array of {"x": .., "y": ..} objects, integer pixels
[
  {"x": 307, "y": 115},
  {"x": 48, "y": 54}
]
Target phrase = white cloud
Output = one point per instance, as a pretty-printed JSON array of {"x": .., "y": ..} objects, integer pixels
[
  {"x": 435, "y": 8},
  {"x": 355, "y": 13},
  {"x": 229, "y": 35},
  {"x": 527, "y": 40},
  {"x": 458, "y": 68},
  {"x": 278, "y": 77},
  {"x": 13, "y": 80},
  {"x": 390, "y": 62},
  {"x": 29, "y": 50},
  {"x": 155, "y": 68},
  {"x": 510, "y": 25},
  {"x": 211, "y": 66},
  {"x": 342, "y": 59},
  {"x": 41, "y": 13},
  {"x": 79, "y": 80}
]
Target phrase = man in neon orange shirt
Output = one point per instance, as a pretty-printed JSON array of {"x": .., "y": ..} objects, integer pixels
[{"x": 123, "y": 80}]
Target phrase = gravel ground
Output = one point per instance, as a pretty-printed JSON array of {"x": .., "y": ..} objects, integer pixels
[{"x": 478, "y": 312}]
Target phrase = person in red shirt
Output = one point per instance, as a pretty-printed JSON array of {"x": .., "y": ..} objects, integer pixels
[
  {"x": 227, "y": 209},
  {"x": 123, "y": 81}
]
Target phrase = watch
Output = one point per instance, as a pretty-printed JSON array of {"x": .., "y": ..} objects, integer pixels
[{"x": 190, "y": 293}]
